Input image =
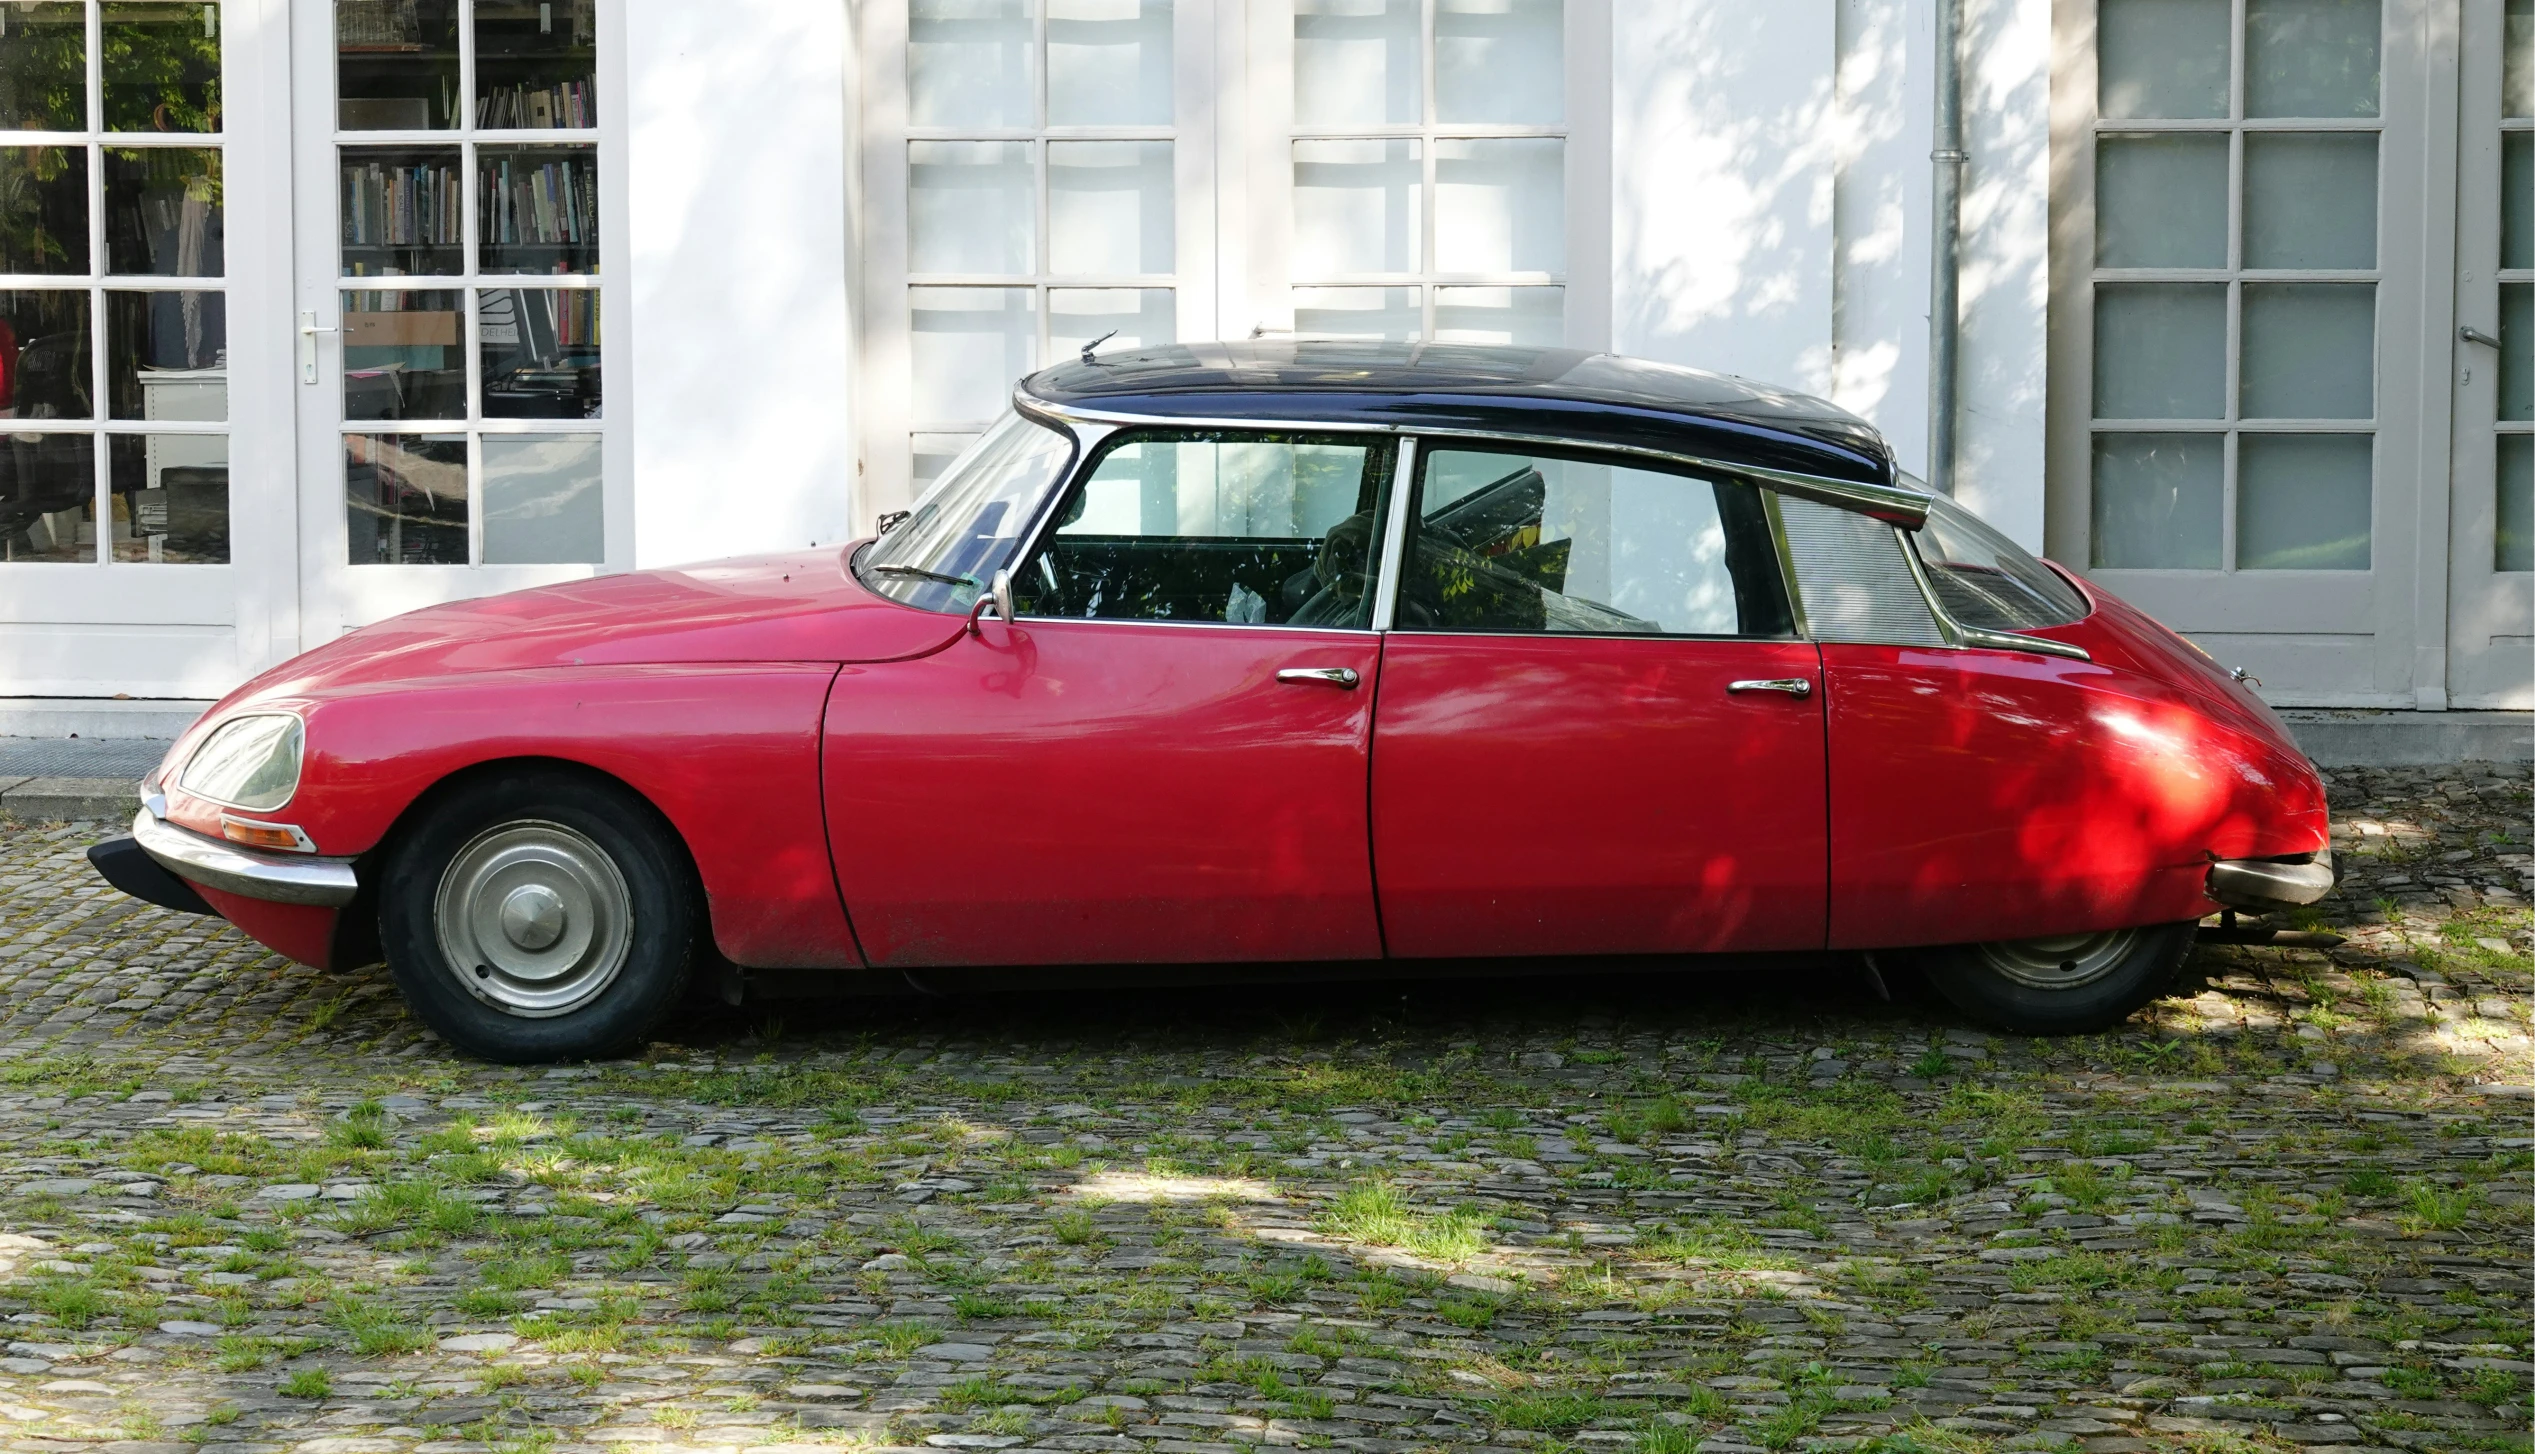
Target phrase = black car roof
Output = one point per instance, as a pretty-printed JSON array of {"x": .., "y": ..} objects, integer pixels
[{"x": 1560, "y": 393}]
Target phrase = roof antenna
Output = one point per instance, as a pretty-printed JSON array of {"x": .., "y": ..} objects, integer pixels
[{"x": 1095, "y": 343}]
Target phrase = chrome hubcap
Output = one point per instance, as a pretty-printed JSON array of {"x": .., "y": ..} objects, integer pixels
[
  {"x": 2062, "y": 961},
  {"x": 534, "y": 918}
]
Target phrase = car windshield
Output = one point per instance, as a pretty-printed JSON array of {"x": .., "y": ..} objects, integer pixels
[
  {"x": 1986, "y": 581},
  {"x": 941, "y": 556}
]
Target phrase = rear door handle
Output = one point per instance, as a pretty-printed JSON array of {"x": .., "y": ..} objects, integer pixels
[
  {"x": 1792, "y": 686},
  {"x": 1342, "y": 677}
]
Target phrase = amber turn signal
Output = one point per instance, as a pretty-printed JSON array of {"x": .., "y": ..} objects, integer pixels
[{"x": 280, "y": 837}]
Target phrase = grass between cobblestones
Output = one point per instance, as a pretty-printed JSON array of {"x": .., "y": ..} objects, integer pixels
[{"x": 252, "y": 1208}]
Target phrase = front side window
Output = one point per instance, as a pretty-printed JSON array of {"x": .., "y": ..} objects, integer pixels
[
  {"x": 1987, "y": 581},
  {"x": 1510, "y": 542},
  {"x": 1266, "y": 529},
  {"x": 942, "y": 555}
]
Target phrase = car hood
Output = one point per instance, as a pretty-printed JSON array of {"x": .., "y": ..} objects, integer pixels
[{"x": 804, "y": 606}]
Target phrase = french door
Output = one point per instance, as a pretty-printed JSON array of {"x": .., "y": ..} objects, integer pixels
[{"x": 458, "y": 178}]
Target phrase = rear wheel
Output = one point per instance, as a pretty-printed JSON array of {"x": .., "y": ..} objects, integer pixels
[
  {"x": 2070, "y": 984},
  {"x": 536, "y": 916}
]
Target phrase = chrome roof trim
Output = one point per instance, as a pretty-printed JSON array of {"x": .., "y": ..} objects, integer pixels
[{"x": 1907, "y": 509}]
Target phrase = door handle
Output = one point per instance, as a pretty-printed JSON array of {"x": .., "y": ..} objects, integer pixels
[
  {"x": 1792, "y": 686},
  {"x": 309, "y": 328},
  {"x": 2471, "y": 334},
  {"x": 1342, "y": 677}
]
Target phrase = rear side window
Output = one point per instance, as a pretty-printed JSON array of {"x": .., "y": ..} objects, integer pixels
[
  {"x": 1985, "y": 580},
  {"x": 1523, "y": 542},
  {"x": 1242, "y": 529},
  {"x": 1852, "y": 579}
]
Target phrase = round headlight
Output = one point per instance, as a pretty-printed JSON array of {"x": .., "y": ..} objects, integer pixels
[{"x": 250, "y": 762}]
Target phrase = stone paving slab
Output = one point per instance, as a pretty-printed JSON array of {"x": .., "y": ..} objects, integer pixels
[
  {"x": 252, "y": 1209},
  {"x": 58, "y": 799}
]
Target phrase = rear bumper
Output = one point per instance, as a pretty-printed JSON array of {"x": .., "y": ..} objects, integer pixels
[
  {"x": 2257, "y": 883},
  {"x": 275, "y": 878}
]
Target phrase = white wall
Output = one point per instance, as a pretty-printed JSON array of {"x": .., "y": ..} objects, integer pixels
[
  {"x": 1770, "y": 203},
  {"x": 741, "y": 335}
]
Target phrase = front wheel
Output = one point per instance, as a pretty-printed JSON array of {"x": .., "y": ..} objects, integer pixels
[
  {"x": 534, "y": 917},
  {"x": 2070, "y": 984}
]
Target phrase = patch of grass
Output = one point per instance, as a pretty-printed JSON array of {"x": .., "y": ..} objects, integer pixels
[
  {"x": 306, "y": 1383},
  {"x": 2436, "y": 1209},
  {"x": 518, "y": 1274},
  {"x": 70, "y": 1301},
  {"x": 489, "y": 1302},
  {"x": 375, "y": 1331},
  {"x": 1374, "y": 1213},
  {"x": 902, "y": 1339},
  {"x": 1076, "y": 1228},
  {"x": 1475, "y": 1311},
  {"x": 1547, "y": 1411},
  {"x": 972, "y": 1306}
]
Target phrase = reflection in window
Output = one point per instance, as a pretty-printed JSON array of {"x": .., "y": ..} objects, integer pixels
[
  {"x": 396, "y": 64},
  {"x": 163, "y": 213},
  {"x": 542, "y": 502},
  {"x": 48, "y": 497},
  {"x": 535, "y": 61},
  {"x": 539, "y": 350},
  {"x": 162, "y": 65},
  {"x": 167, "y": 356},
  {"x": 44, "y": 355},
  {"x": 405, "y": 498},
  {"x": 43, "y": 209},
  {"x": 170, "y": 496},
  {"x": 1259, "y": 530},
  {"x": 1532, "y": 543},
  {"x": 402, "y": 357},
  {"x": 44, "y": 67}
]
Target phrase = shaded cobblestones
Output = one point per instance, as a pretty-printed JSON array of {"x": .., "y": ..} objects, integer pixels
[{"x": 252, "y": 1208}]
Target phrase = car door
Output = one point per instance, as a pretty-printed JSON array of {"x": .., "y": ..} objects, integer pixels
[
  {"x": 1163, "y": 759},
  {"x": 1598, "y": 731}
]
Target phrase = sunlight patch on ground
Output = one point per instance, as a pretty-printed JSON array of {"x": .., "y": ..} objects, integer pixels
[{"x": 1137, "y": 1186}]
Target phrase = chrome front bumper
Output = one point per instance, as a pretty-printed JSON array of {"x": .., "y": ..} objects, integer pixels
[
  {"x": 279, "y": 878},
  {"x": 2254, "y": 883}
]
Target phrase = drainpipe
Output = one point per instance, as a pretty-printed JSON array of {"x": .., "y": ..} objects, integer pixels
[{"x": 1945, "y": 290}]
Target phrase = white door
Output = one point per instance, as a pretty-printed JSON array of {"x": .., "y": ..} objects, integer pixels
[
  {"x": 141, "y": 188},
  {"x": 459, "y": 182},
  {"x": 2491, "y": 658}
]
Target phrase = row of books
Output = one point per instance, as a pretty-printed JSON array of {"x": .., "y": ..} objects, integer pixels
[
  {"x": 402, "y": 206},
  {"x": 552, "y": 203},
  {"x": 564, "y": 104}
]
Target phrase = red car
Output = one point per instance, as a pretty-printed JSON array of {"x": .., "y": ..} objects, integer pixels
[{"x": 1267, "y": 658}]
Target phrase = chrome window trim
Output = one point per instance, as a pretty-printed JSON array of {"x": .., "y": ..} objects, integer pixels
[
  {"x": 1386, "y": 587},
  {"x": 1959, "y": 636},
  {"x": 1786, "y": 564}
]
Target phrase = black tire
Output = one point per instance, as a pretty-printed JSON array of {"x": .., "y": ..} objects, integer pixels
[
  {"x": 576, "y": 900},
  {"x": 2073, "y": 985}
]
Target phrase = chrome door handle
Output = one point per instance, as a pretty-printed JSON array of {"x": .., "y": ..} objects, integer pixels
[
  {"x": 1341, "y": 677},
  {"x": 1792, "y": 686},
  {"x": 2471, "y": 334}
]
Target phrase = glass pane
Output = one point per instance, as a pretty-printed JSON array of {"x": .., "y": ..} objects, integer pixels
[
  {"x": 1501, "y": 61},
  {"x": 2513, "y": 543},
  {"x": 2517, "y": 200},
  {"x": 1358, "y": 313},
  {"x": 970, "y": 63},
  {"x": 1530, "y": 317},
  {"x": 1854, "y": 578},
  {"x": 396, "y": 65},
  {"x": 536, "y": 62},
  {"x": 2309, "y": 351},
  {"x": 162, "y": 66},
  {"x": 538, "y": 352},
  {"x": 2311, "y": 57},
  {"x": 2161, "y": 58},
  {"x": 1501, "y": 206},
  {"x": 931, "y": 454},
  {"x": 163, "y": 213},
  {"x": 1359, "y": 207},
  {"x": 403, "y": 212},
  {"x": 1109, "y": 210},
  {"x": 2161, "y": 351},
  {"x": 542, "y": 502},
  {"x": 2302, "y": 501},
  {"x": 167, "y": 355},
  {"x": 968, "y": 347},
  {"x": 1509, "y": 542},
  {"x": 2157, "y": 499},
  {"x": 1138, "y": 317},
  {"x": 2310, "y": 200},
  {"x": 49, "y": 508},
  {"x": 2161, "y": 201},
  {"x": 540, "y": 207},
  {"x": 2517, "y": 351},
  {"x": 1109, "y": 62},
  {"x": 969, "y": 207},
  {"x": 44, "y": 66},
  {"x": 170, "y": 498},
  {"x": 970, "y": 522},
  {"x": 44, "y": 356},
  {"x": 2517, "y": 74},
  {"x": 404, "y": 356},
  {"x": 1356, "y": 63},
  {"x": 1986, "y": 580},
  {"x": 405, "y": 498},
  {"x": 1270, "y": 530},
  {"x": 43, "y": 210}
]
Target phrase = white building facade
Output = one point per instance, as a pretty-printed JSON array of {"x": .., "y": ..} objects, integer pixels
[{"x": 322, "y": 310}]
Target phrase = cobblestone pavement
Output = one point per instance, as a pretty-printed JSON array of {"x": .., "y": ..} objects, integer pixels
[{"x": 250, "y": 1207}]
